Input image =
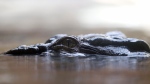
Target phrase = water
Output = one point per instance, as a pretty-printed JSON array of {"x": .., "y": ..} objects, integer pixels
[{"x": 74, "y": 70}]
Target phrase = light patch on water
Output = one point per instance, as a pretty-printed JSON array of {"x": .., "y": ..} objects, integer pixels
[
  {"x": 6, "y": 78},
  {"x": 139, "y": 54}
]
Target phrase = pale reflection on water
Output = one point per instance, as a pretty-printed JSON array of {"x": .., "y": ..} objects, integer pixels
[{"x": 74, "y": 70}]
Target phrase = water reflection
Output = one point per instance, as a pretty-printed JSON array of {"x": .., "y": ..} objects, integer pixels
[
  {"x": 81, "y": 64},
  {"x": 70, "y": 70}
]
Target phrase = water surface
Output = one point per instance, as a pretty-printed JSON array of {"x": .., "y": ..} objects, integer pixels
[{"x": 74, "y": 70}]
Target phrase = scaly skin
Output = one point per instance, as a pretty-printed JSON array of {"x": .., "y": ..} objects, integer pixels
[{"x": 111, "y": 43}]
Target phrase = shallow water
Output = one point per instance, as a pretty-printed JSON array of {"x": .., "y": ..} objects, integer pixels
[{"x": 74, "y": 70}]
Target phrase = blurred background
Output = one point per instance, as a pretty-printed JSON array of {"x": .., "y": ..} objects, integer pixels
[
  {"x": 34, "y": 21},
  {"x": 27, "y": 15},
  {"x": 25, "y": 20}
]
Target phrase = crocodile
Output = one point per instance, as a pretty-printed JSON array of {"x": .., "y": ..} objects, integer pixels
[{"x": 114, "y": 43}]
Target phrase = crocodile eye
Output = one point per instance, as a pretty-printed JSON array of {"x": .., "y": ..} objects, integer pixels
[{"x": 69, "y": 43}]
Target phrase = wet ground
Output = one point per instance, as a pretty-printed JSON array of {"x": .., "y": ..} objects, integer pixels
[{"x": 69, "y": 70}]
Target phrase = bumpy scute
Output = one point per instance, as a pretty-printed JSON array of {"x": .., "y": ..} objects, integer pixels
[{"x": 112, "y": 43}]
